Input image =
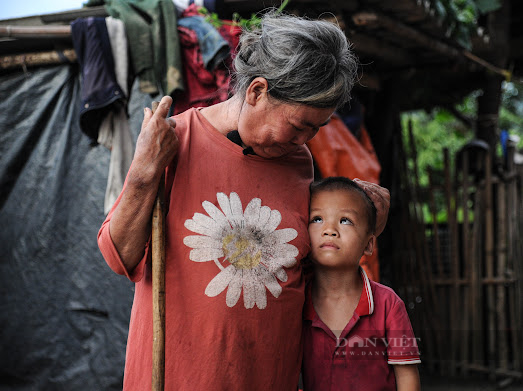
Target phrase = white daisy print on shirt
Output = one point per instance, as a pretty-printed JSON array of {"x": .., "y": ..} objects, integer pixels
[{"x": 256, "y": 252}]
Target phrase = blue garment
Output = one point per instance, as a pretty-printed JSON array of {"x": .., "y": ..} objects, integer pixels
[
  {"x": 352, "y": 116},
  {"x": 213, "y": 47},
  {"x": 100, "y": 90},
  {"x": 503, "y": 138}
]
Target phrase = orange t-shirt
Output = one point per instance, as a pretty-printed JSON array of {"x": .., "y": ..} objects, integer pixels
[{"x": 236, "y": 230}]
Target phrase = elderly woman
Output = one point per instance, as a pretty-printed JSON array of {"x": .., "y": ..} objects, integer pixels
[{"x": 237, "y": 182}]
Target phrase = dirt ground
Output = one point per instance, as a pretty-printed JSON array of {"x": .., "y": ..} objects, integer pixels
[{"x": 439, "y": 383}]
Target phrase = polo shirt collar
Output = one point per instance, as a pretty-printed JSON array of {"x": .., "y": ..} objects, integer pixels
[{"x": 365, "y": 305}]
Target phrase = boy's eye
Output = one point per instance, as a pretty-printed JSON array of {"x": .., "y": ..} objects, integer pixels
[
  {"x": 316, "y": 219},
  {"x": 345, "y": 220}
]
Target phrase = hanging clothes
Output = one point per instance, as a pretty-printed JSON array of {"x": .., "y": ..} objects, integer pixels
[
  {"x": 153, "y": 42},
  {"x": 337, "y": 152},
  {"x": 105, "y": 85},
  {"x": 119, "y": 47},
  {"x": 100, "y": 90},
  {"x": 207, "y": 57},
  {"x": 214, "y": 49},
  {"x": 115, "y": 132}
]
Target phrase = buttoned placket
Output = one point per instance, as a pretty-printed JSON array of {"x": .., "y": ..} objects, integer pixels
[{"x": 336, "y": 353}]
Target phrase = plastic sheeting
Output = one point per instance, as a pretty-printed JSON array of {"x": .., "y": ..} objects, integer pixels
[{"x": 63, "y": 313}]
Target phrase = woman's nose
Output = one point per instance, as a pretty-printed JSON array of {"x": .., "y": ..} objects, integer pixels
[
  {"x": 302, "y": 138},
  {"x": 299, "y": 140}
]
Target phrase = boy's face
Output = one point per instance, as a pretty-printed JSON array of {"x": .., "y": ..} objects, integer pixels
[{"x": 338, "y": 229}]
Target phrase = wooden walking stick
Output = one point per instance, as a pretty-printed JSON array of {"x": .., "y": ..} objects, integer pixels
[{"x": 158, "y": 280}]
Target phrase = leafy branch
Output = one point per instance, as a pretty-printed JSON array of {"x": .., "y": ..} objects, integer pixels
[{"x": 248, "y": 24}]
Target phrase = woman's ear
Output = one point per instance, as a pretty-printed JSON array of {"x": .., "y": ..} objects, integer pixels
[
  {"x": 369, "y": 248},
  {"x": 257, "y": 90}
]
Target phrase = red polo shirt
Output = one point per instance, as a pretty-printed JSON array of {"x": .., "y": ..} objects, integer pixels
[{"x": 379, "y": 334}]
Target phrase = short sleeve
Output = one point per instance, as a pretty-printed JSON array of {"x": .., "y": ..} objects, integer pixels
[{"x": 402, "y": 344}]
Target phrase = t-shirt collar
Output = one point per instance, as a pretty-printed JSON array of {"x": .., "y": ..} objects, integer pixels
[{"x": 365, "y": 305}]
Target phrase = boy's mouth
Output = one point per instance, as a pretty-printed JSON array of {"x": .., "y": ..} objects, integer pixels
[{"x": 329, "y": 245}]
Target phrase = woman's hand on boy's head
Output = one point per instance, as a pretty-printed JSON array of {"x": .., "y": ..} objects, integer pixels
[{"x": 381, "y": 198}]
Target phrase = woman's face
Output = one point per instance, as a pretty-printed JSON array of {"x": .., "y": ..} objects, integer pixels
[{"x": 276, "y": 129}]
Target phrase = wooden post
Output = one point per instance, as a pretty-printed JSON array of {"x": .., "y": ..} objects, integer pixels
[
  {"x": 513, "y": 262},
  {"x": 38, "y": 59},
  {"x": 501, "y": 247},
  {"x": 465, "y": 245},
  {"x": 158, "y": 285},
  {"x": 454, "y": 292},
  {"x": 487, "y": 126},
  {"x": 518, "y": 269},
  {"x": 441, "y": 290},
  {"x": 428, "y": 292},
  {"x": 413, "y": 279},
  {"x": 435, "y": 227},
  {"x": 476, "y": 302},
  {"x": 489, "y": 264}
]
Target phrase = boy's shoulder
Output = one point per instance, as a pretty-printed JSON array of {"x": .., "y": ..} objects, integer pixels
[{"x": 384, "y": 295}]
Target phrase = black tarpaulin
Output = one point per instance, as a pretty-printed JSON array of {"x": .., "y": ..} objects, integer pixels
[{"x": 63, "y": 313}]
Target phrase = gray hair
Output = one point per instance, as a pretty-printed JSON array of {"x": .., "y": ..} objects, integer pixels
[{"x": 304, "y": 61}]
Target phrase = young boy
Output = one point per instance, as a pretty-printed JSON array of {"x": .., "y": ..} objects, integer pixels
[{"x": 357, "y": 334}]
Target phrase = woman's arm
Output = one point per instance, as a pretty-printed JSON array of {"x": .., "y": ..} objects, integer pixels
[
  {"x": 407, "y": 377},
  {"x": 156, "y": 146}
]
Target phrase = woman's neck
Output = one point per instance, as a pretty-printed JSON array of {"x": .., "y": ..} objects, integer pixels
[{"x": 224, "y": 115}]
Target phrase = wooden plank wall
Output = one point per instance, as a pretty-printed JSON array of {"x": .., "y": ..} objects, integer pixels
[{"x": 462, "y": 281}]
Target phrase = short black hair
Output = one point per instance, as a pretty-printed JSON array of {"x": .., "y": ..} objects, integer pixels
[{"x": 335, "y": 183}]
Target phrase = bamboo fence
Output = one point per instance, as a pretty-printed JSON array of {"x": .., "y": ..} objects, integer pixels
[{"x": 462, "y": 281}]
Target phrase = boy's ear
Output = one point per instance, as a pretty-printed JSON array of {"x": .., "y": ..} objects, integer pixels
[{"x": 369, "y": 248}]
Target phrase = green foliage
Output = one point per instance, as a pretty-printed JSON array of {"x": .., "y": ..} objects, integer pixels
[
  {"x": 247, "y": 24},
  {"x": 433, "y": 131},
  {"x": 211, "y": 17},
  {"x": 461, "y": 16}
]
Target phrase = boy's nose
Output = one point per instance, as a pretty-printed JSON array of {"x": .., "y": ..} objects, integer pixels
[{"x": 330, "y": 232}]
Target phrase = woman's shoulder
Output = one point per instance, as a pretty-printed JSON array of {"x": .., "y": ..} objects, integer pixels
[{"x": 190, "y": 120}]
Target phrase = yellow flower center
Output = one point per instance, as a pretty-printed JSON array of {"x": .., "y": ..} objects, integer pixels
[{"x": 242, "y": 252}]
